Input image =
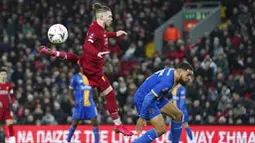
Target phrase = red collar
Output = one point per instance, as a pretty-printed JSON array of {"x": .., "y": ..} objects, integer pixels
[{"x": 95, "y": 22}]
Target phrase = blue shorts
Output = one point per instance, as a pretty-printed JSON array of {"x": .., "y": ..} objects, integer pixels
[
  {"x": 153, "y": 109},
  {"x": 84, "y": 113}
]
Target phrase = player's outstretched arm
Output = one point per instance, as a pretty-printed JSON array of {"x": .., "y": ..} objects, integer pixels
[
  {"x": 89, "y": 48},
  {"x": 116, "y": 34},
  {"x": 121, "y": 33},
  {"x": 111, "y": 34},
  {"x": 58, "y": 54}
]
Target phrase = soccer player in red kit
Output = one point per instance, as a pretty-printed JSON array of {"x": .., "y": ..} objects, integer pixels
[
  {"x": 6, "y": 98},
  {"x": 94, "y": 49}
]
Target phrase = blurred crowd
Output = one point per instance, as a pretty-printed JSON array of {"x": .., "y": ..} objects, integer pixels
[{"x": 222, "y": 91}]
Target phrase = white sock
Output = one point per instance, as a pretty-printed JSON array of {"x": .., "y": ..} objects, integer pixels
[
  {"x": 117, "y": 121},
  {"x": 12, "y": 140},
  {"x": 58, "y": 53}
]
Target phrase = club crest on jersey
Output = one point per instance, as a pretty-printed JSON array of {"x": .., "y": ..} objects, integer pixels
[
  {"x": 91, "y": 35},
  {"x": 152, "y": 111},
  {"x": 182, "y": 92}
]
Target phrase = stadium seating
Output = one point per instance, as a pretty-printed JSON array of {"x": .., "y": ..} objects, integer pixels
[{"x": 223, "y": 88}]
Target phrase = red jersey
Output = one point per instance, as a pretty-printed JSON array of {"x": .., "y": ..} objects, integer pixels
[
  {"x": 96, "y": 41},
  {"x": 6, "y": 89}
]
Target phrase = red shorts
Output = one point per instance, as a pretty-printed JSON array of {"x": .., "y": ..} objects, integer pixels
[
  {"x": 5, "y": 114},
  {"x": 101, "y": 82}
]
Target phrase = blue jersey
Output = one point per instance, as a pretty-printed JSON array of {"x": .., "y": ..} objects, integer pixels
[
  {"x": 154, "y": 86},
  {"x": 179, "y": 96},
  {"x": 179, "y": 100},
  {"x": 158, "y": 83},
  {"x": 83, "y": 92},
  {"x": 85, "y": 107}
]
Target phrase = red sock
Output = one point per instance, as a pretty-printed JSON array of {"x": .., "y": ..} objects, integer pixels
[
  {"x": 111, "y": 105},
  {"x": 11, "y": 131},
  {"x": 71, "y": 57},
  {"x": 6, "y": 131}
]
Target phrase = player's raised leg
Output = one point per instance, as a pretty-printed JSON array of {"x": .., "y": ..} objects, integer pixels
[
  {"x": 10, "y": 131},
  {"x": 111, "y": 103},
  {"x": 95, "y": 129},
  {"x": 59, "y": 54}
]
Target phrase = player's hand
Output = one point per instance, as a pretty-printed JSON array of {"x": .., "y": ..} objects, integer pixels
[
  {"x": 101, "y": 54},
  {"x": 139, "y": 125},
  {"x": 14, "y": 105},
  {"x": 121, "y": 33},
  {"x": 72, "y": 103}
]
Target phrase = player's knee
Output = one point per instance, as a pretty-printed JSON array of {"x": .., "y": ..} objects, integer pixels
[
  {"x": 9, "y": 122},
  {"x": 74, "y": 124},
  {"x": 160, "y": 129},
  {"x": 178, "y": 116},
  {"x": 94, "y": 122}
]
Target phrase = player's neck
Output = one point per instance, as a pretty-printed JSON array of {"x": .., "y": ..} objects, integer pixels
[
  {"x": 176, "y": 77},
  {"x": 101, "y": 23}
]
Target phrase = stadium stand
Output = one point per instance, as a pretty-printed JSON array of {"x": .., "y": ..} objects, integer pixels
[{"x": 223, "y": 88}]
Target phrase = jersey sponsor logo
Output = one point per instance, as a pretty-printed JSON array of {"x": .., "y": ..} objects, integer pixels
[
  {"x": 86, "y": 87},
  {"x": 3, "y": 91},
  {"x": 175, "y": 98}
]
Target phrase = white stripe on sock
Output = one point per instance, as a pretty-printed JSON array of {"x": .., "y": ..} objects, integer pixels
[
  {"x": 58, "y": 53},
  {"x": 117, "y": 121}
]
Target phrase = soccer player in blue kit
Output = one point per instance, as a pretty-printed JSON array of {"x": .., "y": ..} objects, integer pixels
[
  {"x": 84, "y": 107},
  {"x": 150, "y": 102},
  {"x": 179, "y": 100}
]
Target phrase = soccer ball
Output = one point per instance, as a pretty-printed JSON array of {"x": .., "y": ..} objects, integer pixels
[{"x": 57, "y": 34}]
